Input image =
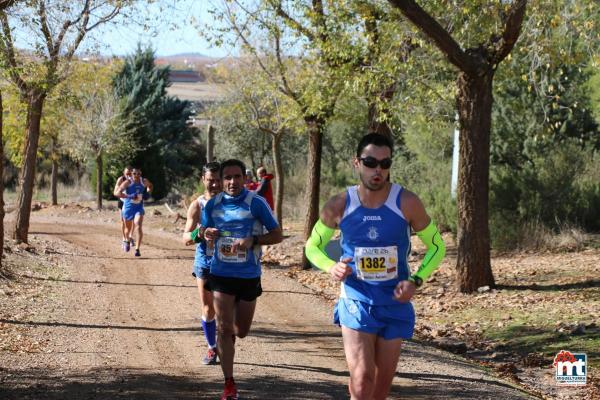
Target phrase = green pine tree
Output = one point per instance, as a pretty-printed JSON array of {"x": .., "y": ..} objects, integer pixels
[{"x": 163, "y": 145}]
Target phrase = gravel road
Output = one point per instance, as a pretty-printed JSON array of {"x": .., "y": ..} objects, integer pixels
[{"x": 123, "y": 327}]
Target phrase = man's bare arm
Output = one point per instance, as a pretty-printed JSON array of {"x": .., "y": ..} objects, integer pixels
[
  {"x": 118, "y": 183},
  {"x": 119, "y": 190},
  {"x": 193, "y": 217}
]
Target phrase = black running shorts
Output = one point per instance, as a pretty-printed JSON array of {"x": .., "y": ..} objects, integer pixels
[
  {"x": 242, "y": 289},
  {"x": 120, "y": 204}
]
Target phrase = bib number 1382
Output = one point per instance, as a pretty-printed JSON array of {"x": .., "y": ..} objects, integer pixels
[{"x": 372, "y": 263}]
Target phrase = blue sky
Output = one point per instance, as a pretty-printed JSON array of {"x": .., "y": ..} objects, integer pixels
[{"x": 171, "y": 31}]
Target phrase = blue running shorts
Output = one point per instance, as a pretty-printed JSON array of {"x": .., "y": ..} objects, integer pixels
[
  {"x": 130, "y": 212},
  {"x": 200, "y": 269},
  {"x": 389, "y": 322},
  {"x": 201, "y": 272}
]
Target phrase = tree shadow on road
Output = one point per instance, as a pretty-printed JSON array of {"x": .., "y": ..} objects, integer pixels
[
  {"x": 101, "y": 326},
  {"x": 285, "y": 333},
  {"x": 98, "y": 282},
  {"x": 150, "y": 385},
  {"x": 109, "y": 383}
]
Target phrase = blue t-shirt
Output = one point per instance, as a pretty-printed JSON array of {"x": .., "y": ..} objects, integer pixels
[
  {"x": 203, "y": 252},
  {"x": 134, "y": 188},
  {"x": 237, "y": 217},
  {"x": 378, "y": 241}
]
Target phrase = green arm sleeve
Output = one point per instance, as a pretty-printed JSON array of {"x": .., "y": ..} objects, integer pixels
[
  {"x": 196, "y": 236},
  {"x": 315, "y": 246},
  {"x": 436, "y": 250}
]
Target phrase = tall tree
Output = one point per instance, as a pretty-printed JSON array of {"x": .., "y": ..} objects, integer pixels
[
  {"x": 4, "y": 4},
  {"x": 476, "y": 67},
  {"x": 59, "y": 29},
  {"x": 310, "y": 57},
  {"x": 92, "y": 132},
  {"x": 51, "y": 126},
  {"x": 1, "y": 187},
  {"x": 163, "y": 143},
  {"x": 339, "y": 46},
  {"x": 252, "y": 102}
]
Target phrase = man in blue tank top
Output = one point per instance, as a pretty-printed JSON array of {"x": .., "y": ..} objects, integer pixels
[
  {"x": 374, "y": 310},
  {"x": 126, "y": 176},
  {"x": 211, "y": 179},
  {"x": 133, "y": 192},
  {"x": 233, "y": 223}
]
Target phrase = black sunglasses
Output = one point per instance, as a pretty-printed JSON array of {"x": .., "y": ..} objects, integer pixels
[{"x": 372, "y": 162}]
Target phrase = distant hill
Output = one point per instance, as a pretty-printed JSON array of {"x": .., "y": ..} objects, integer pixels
[
  {"x": 185, "y": 58},
  {"x": 187, "y": 54}
]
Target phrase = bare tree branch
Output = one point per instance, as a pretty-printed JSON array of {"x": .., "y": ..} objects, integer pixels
[
  {"x": 45, "y": 29},
  {"x": 4, "y": 4},
  {"x": 115, "y": 11},
  {"x": 8, "y": 48},
  {"x": 512, "y": 30},
  {"x": 85, "y": 17},
  {"x": 291, "y": 22},
  {"x": 281, "y": 68},
  {"x": 239, "y": 31},
  {"x": 442, "y": 39}
]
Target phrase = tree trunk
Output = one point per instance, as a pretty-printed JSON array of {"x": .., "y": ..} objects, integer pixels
[
  {"x": 99, "y": 174},
  {"x": 1, "y": 187},
  {"x": 474, "y": 102},
  {"x": 54, "y": 176},
  {"x": 35, "y": 104},
  {"x": 210, "y": 143},
  {"x": 276, "y": 147},
  {"x": 315, "y": 149}
]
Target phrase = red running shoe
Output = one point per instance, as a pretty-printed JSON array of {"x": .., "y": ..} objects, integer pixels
[
  {"x": 210, "y": 358},
  {"x": 230, "y": 392}
]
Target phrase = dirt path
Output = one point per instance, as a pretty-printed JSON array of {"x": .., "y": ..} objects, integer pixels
[{"x": 121, "y": 327}]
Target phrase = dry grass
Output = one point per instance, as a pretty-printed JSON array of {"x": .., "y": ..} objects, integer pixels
[
  {"x": 78, "y": 192},
  {"x": 537, "y": 237}
]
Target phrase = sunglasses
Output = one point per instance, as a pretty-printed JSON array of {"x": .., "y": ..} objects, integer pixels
[{"x": 372, "y": 162}]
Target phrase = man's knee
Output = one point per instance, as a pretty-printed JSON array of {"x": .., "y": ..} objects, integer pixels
[
  {"x": 362, "y": 384},
  {"x": 208, "y": 310},
  {"x": 225, "y": 329},
  {"x": 241, "y": 333}
]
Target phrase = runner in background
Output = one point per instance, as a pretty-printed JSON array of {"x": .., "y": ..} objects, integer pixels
[
  {"x": 126, "y": 176},
  {"x": 249, "y": 181},
  {"x": 133, "y": 192},
  {"x": 233, "y": 220},
  {"x": 211, "y": 179},
  {"x": 265, "y": 188}
]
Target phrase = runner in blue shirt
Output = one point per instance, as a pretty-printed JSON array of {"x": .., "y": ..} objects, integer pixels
[
  {"x": 133, "y": 192},
  {"x": 126, "y": 176},
  {"x": 374, "y": 310},
  {"x": 233, "y": 223},
  {"x": 211, "y": 179}
]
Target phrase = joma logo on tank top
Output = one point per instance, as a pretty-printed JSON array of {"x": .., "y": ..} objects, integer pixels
[{"x": 372, "y": 218}]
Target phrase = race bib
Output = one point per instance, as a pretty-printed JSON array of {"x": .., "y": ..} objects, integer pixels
[
  {"x": 226, "y": 253},
  {"x": 376, "y": 263},
  {"x": 137, "y": 199}
]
